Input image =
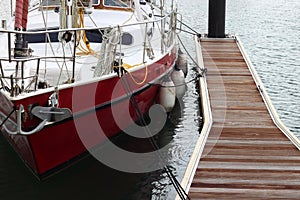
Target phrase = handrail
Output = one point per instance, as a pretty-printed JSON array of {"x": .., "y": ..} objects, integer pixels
[
  {"x": 20, "y": 59},
  {"x": 207, "y": 124},
  {"x": 277, "y": 121},
  {"x": 85, "y": 29}
]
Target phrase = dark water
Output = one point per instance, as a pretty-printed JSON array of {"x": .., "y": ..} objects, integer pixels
[{"x": 270, "y": 32}]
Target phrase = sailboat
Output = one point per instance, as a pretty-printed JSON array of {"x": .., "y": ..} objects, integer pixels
[{"x": 73, "y": 73}]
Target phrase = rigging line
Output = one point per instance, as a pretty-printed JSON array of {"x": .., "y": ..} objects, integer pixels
[
  {"x": 120, "y": 3},
  {"x": 61, "y": 69},
  {"x": 174, "y": 183},
  {"x": 157, "y": 21},
  {"x": 203, "y": 71},
  {"x": 147, "y": 14},
  {"x": 8, "y": 116},
  {"x": 192, "y": 80},
  {"x": 147, "y": 40},
  {"x": 185, "y": 31},
  {"x": 173, "y": 179},
  {"x": 63, "y": 64},
  {"x": 126, "y": 86},
  {"x": 186, "y": 83},
  {"x": 127, "y": 20},
  {"x": 47, "y": 36},
  {"x": 168, "y": 171},
  {"x": 82, "y": 34},
  {"x": 135, "y": 79},
  {"x": 49, "y": 39},
  {"x": 184, "y": 24},
  {"x": 83, "y": 42},
  {"x": 2, "y": 77},
  {"x": 177, "y": 185},
  {"x": 89, "y": 15}
]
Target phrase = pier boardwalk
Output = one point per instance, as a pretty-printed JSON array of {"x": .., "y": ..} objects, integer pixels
[{"x": 244, "y": 151}]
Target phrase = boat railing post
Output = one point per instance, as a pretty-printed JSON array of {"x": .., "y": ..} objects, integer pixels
[
  {"x": 16, "y": 78},
  {"x": 9, "y": 46},
  {"x": 11, "y": 8},
  {"x": 11, "y": 86},
  {"x": 3, "y": 24},
  {"x": 69, "y": 4},
  {"x": 37, "y": 73},
  {"x": 120, "y": 50},
  {"x": 22, "y": 75},
  {"x": 74, "y": 56},
  {"x": 162, "y": 28},
  {"x": 145, "y": 42},
  {"x": 178, "y": 30},
  {"x": 163, "y": 35},
  {"x": 2, "y": 75}
]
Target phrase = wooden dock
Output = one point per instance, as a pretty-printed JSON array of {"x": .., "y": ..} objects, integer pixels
[{"x": 244, "y": 150}]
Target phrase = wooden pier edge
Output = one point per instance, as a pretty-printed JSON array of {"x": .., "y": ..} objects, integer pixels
[
  {"x": 273, "y": 113},
  {"x": 207, "y": 124},
  {"x": 207, "y": 113}
]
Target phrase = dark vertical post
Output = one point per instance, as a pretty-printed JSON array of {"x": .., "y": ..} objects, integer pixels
[
  {"x": 216, "y": 18},
  {"x": 37, "y": 73},
  {"x": 9, "y": 47},
  {"x": 74, "y": 57}
]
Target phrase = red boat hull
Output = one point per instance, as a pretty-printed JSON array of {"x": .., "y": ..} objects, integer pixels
[{"x": 94, "y": 106}]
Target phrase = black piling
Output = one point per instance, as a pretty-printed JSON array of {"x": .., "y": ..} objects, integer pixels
[{"x": 216, "y": 18}]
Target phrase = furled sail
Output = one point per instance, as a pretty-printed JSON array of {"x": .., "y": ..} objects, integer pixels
[{"x": 21, "y": 14}]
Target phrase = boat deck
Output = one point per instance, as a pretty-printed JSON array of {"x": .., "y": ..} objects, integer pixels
[{"x": 245, "y": 155}]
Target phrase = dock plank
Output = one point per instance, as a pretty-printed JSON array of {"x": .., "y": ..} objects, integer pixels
[{"x": 245, "y": 156}]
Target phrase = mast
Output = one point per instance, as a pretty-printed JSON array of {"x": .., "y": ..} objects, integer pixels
[
  {"x": 68, "y": 18},
  {"x": 21, "y": 16}
]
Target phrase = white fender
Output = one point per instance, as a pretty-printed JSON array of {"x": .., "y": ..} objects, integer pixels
[
  {"x": 177, "y": 77},
  {"x": 167, "y": 95},
  {"x": 182, "y": 63}
]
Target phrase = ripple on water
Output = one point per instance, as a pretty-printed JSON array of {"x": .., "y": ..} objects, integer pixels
[{"x": 270, "y": 33}]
